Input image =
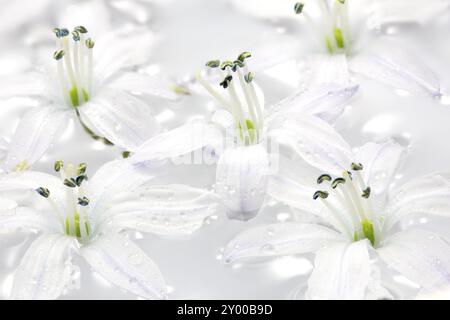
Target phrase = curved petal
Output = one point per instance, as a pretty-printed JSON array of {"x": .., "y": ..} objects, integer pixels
[
  {"x": 241, "y": 180},
  {"x": 326, "y": 68},
  {"x": 13, "y": 218},
  {"x": 34, "y": 135},
  {"x": 326, "y": 101},
  {"x": 125, "y": 265},
  {"x": 164, "y": 210},
  {"x": 144, "y": 84},
  {"x": 120, "y": 117},
  {"x": 381, "y": 162},
  {"x": 427, "y": 195},
  {"x": 265, "y": 8},
  {"x": 421, "y": 256},
  {"x": 182, "y": 140},
  {"x": 4, "y": 146},
  {"x": 45, "y": 269},
  {"x": 31, "y": 180},
  {"x": 341, "y": 271},
  {"x": 314, "y": 140},
  {"x": 118, "y": 176},
  {"x": 387, "y": 12},
  {"x": 122, "y": 49},
  {"x": 279, "y": 239},
  {"x": 399, "y": 70},
  {"x": 25, "y": 85}
]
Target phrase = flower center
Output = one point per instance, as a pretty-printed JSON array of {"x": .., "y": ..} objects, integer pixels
[
  {"x": 331, "y": 23},
  {"x": 241, "y": 99},
  {"x": 348, "y": 199},
  {"x": 74, "y": 63},
  {"x": 74, "y": 219}
]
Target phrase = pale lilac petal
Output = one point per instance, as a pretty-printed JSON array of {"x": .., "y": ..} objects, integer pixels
[
  {"x": 125, "y": 265},
  {"x": 35, "y": 133},
  {"x": 326, "y": 101},
  {"x": 326, "y": 68},
  {"x": 341, "y": 271},
  {"x": 120, "y": 117},
  {"x": 313, "y": 140},
  {"x": 421, "y": 256},
  {"x": 241, "y": 180},
  {"x": 173, "y": 210},
  {"x": 13, "y": 218},
  {"x": 279, "y": 239},
  {"x": 45, "y": 269},
  {"x": 399, "y": 70},
  {"x": 144, "y": 84},
  {"x": 428, "y": 195}
]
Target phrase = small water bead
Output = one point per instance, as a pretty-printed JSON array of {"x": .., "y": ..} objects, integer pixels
[
  {"x": 135, "y": 258},
  {"x": 270, "y": 231},
  {"x": 268, "y": 249}
]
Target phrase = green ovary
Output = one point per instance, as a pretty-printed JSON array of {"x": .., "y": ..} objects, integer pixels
[
  {"x": 77, "y": 226},
  {"x": 339, "y": 37},
  {"x": 368, "y": 231},
  {"x": 73, "y": 94},
  {"x": 251, "y": 131}
]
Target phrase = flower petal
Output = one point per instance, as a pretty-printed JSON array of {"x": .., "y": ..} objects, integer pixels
[
  {"x": 182, "y": 140},
  {"x": 122, "y": 49},
  {"x": 341, "y": 271},
  {"x": 428, "y": 195},
  {"x": 120, "y": 117},
  {"x": 386, "y": 12},
  {"x": 241, "y": 180},
  {"x": 165, "y": 210},
  {"x": 279, "y": 239},
  {"x": 325, "y": 68},
  {"x": 45, "y": 269},
  {"x": 35, "y": 133},
  {"x": 326, "y": 101},
  {"x": 143, "y": 83},
  {"x": 125, "y": 265},
  {"x": 13, "y": 218},
  {"x": 118, "y": 176},
  {"x": 313, "y": 140},
  {"x": 421, "y": 256},
  {"x": 26, "y": 84},
  {"x": 381, "y": 162},
  {"x": 399, "y": 70}
]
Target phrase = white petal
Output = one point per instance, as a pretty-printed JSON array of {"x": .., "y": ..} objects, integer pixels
[
  {"x": 142, "y": 83},
  {"x": 314, "y": 140},
  {"x": 241, "y": 180},
  {"x": 341, "y": 271},
  {"x": 426, "y": 195},
  {"x": 326, "y": 101},
  {"x": 13, "y": 218},
  {"x": 325, "y": 68},
  {"x": 120, "y": 117},
  {"x": 31, "y": 180},
  {"x": 115, "y": 177},
  {"x": 397, "y": 69},
  {"x": 125, "y": 265},
  {"x": 279, "y": 239},
  {"x": 182, "y": 140},
  {"x": 165, "y": 210},
  {"x": 381, "y": 162},
  {"x": 27, "y": 84},
  {"x": 421, "y": 256},
  {"x": 4, "y": 146},
  {"x": 265, "y": 8},
  {"x": 122, "y": 49},
  {"x": 34, "y": 135},
  {"x": 385, "y": 12},
  {"x": 45, "y": 269}
]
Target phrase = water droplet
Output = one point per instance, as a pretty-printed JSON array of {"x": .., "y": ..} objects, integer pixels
[
  {"x": 268, "y": 249},
  {"x": 135, "y": 258}
]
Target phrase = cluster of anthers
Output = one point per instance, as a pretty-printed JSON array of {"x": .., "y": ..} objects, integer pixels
[
  {"x": 353, "y": 197},
  {"x": 242, "y": 102},
  {"x": 332, "y": 23},
  {"x": 74, "y": 219},
  {"x": 74, "y": 60}
]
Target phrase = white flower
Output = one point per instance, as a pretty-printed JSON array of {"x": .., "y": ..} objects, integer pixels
[
  {"x": 245, "y": 163},
  {"x": 344, "y": 46},
  {"x": 357, "y": 213},
  {"x": 74, "y": 214},
  {"x": 96, "y": 91}
]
